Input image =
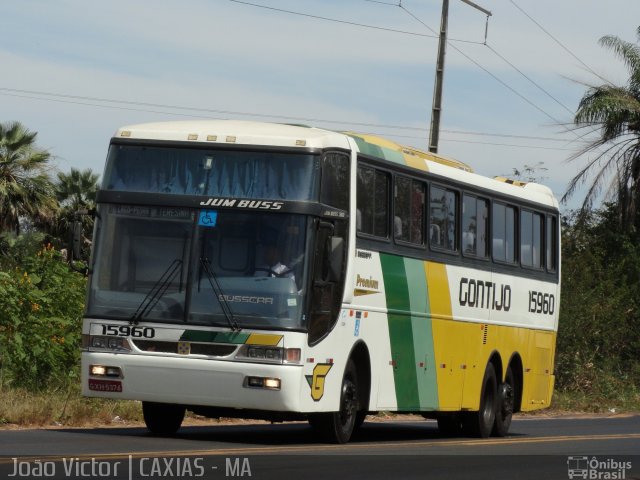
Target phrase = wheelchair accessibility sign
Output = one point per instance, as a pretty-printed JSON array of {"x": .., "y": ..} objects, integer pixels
[{"x": 207, "y": 218}]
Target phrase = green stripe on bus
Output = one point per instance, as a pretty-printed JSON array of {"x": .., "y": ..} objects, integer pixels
[
  {"x": 374, "y": 150},
  {"x": 368, "y": 148},
  {"x": 214, "y": 337},
  {"x": 400, "y": 332},
  {"x": 422, "y": 334}
]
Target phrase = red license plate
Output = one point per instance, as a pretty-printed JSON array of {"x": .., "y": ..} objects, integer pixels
[{"x": 105, "y": 385}]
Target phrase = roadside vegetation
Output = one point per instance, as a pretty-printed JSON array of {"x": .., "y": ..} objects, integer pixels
[{"x": 42, "y": 298}]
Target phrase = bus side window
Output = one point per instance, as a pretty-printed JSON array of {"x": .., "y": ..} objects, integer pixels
[
  {"x": 334, "y": 188},
  {"x": 504, "y": 233},
  {"x": 475, "y": 225},
  {"x": 443, "y": 218},
  {"x": 408, "y": 220},
  {"x": 372, "y": 215},
  {"x": 531, "y": 239},
  {"x": 552, "y": 243}
]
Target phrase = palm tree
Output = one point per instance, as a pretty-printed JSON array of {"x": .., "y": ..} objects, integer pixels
[
  {"x": 77, "y": 189},
  {"x": 614, "y": 112},
  {"x": 25, "y": 187}
]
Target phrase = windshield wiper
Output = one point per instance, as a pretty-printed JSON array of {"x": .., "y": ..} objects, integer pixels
[
  {"x": 157, "y": 291},
  {"x": 224, "y": 305}
]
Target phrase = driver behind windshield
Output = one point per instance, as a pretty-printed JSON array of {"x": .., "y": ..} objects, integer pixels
[{"x": 271, "y": 264}]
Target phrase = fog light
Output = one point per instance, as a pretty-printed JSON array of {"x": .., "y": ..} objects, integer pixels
[
  {"x": 98, "y": 370},
  {"x": 114, "y": 372},
  {"x": 262, "y": 382},
  {"x": 273, "y": 383},
  {"x": 255, "y": 382}
]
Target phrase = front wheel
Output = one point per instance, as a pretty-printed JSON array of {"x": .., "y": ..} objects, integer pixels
[
  {"x": 337, "y": 427},
  {"x": 480, "y": 423},
  {"x": 162, "y": 418}
]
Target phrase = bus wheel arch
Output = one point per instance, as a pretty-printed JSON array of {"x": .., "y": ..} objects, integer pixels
[
  {"x": 362, "y": 361},
  {"x": 337, "y": 427},
  {"x": 515, "y": 363}
]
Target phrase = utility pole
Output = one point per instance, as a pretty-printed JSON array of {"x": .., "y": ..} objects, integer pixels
[{"x": 436, "y": 110}]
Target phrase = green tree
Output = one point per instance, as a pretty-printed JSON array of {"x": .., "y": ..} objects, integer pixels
[
  {"x": 25, "y": 187},
  {"x": 614, "y": 113},
  {"x": 41, "y": 304},
  {"x": 77, "y": 189},
  {"x": 598, "y": 350}
]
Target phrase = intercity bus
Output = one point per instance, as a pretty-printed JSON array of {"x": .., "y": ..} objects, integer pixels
[{"x": 404, "y": 282}]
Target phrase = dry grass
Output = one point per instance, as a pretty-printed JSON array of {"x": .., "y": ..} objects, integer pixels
[
  {"x": 63, "y": 407},
  {"x": 626, "y": 400},
  {"x": 66, "y": 407}
]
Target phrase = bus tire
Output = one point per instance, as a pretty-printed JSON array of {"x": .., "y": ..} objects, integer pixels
[
  {"x": 162, "y": 418},
  {"x": 480, "y": 423},
  {"x": 504, "y": 410},
  {"x": 337, "y": 427},
  {"x": 361, "y": 416}
]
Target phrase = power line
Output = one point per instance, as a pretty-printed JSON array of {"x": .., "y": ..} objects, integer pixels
[
  {"x": 505, "y": 135},
  {"x": 382, "y": 3},
  {"x": 564, "y": 47},
  {"x": 507, "y": 145},
  {"x": 495, "y": 77},
  {"x": 571, "y": 112},
  {"x": 116, "y": 107},
  {"x": 346, "y": 22},
  {"x": 86, "y": 100},
  {"x": 531, "y": 103}
]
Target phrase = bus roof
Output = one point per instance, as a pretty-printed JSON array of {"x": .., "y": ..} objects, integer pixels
[
  {"x": 220, "y": 132},
  {"x": 236, "y": 132}
]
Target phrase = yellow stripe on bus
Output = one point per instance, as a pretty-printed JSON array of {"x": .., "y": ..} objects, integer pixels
[{"x": 263, "y": 339}]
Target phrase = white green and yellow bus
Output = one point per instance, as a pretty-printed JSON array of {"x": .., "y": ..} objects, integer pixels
[{"x": 284, "y": 272}]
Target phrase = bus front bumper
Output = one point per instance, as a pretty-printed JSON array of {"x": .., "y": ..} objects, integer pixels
[{"x": 189, "y": 381}]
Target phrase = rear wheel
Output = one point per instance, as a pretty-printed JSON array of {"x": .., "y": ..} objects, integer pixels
[
  {"x": 162, "y": 418},
  {"x": 504, "y": 410},
  {"x": 480, "y": 423},
  {"x": 337, "y": 427}
]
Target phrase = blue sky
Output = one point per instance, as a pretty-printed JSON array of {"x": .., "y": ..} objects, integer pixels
[{"x": 221, "y": 55}]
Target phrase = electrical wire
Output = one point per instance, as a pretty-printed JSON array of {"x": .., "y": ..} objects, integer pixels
[
  {"x": 562, "y": 45},
  {"x": 86, "y": 100},
  {"x": 571, "y": 112},
  {"x": 353, "y": 24},
  {"x": 495, "y": 77},
  {"x": 116, "y": 107},
  {"x": 531, "y": 103}
]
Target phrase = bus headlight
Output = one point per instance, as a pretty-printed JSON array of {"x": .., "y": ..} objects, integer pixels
[
  {"x": 105, "y": 371},
  {"x": 262, "y": 382},
  {"x": 269, "y": 354},
  {"x": 114, "y": 344}
]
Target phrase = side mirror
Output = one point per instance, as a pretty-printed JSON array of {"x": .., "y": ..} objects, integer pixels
[
  {"x": 335, "y": 257},
  {"x": 76, "y": 240}
]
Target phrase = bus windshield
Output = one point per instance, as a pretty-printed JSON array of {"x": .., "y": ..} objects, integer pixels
[
  {"x": 224, "y": 173},
  {"x": 206, "y": 267}
]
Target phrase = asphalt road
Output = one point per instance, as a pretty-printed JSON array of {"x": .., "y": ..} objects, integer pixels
[{"x": 537, "y": 448}]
